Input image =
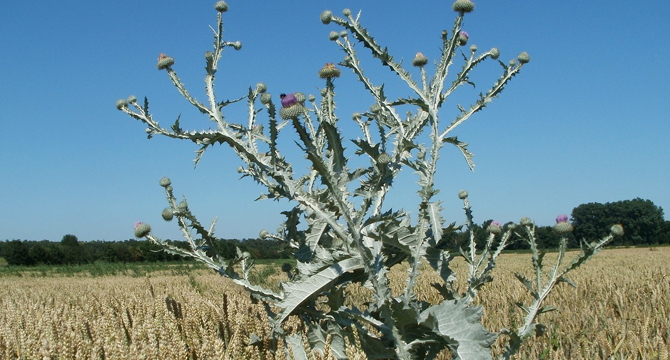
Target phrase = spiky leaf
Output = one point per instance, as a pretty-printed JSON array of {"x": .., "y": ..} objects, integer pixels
[
  {"x": 298, "y": 292},
  {"x": 458, "y": 323},
  {"x": 435, "y": 218},
  {"x": 463, "y": 147},
  {"x": 335, "y": 146}
]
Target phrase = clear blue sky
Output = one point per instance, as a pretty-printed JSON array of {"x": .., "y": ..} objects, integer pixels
[{"x": 587, "y": 120}]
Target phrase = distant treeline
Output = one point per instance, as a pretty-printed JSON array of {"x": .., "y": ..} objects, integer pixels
[
  {"x": 643, "y": 223},
  {"x": 70, "y": 251}
]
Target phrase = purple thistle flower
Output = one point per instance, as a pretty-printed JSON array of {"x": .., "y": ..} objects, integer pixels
[
  {"x": 288, "y": 100},
  {"x": 495, "y": 223},
  {"x": 561, "y": 218},
  {"x": 464, "y": 34},
  {"x": 137, "y": 224}
]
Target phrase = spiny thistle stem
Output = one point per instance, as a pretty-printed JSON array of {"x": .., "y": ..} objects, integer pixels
[
  {"x": 361, "y": 35},
  {"x": 354, "y": 64},
  {"x": 481, "y": 103},
  {"x": 182, "y": 90},
  {"x": 449, "y": 46}
]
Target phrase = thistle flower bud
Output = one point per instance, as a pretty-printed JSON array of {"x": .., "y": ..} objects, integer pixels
[
  {"x": 300, "y": 98},
  {"x": 164, "y": 62},
  {"x": 346, "y": 12},
  {"x": 523, "y": 58},
  {"x": 563, "y": 228},
  {"x": 165, "y": 182},
  {"x": 334, "y": 35},
  {"x": 266, "y": 98},
  {"x": 167, "y": 214},
  {"x": 525, "y": 221},
  {"x": 463, "y": 38},
  {"x": 343, "y": 34},
  {"x": 209, "y": 56},
  {"x": 237, "y": 45},
  {"x": 183, "y": 205},
  {"x": 263, "y": 234},
  {"x": 383, "y": 159},
  {"x": 240, "y": 169},
  {"x": 261, "y": 88},
  {"x": 132, "y": 99},
  {"x": 221, "y": 6},
  {"x": 494, "y": 228},
  {"x": 562, "y": 225},
  {"x": 375, "y": 108},
  {"x": 121, "y": 103},
  {"x": 311, "y": 97},
  {"x": 473, "y": 48},
  {"x": 463, "y": 6},
  {"x": 512, "y": 63},
  {"x": 494, "y": 53},
  {"x": 326, "y": 17},
  {"x": 291, "y": 112},
  {"x": 616, "y": 230},
  {"x": 142, "y": 229},
  {"x": 419, "y": 60},
  {"x": 329, "y": 71},
  {"x": 463, "y": 194}
]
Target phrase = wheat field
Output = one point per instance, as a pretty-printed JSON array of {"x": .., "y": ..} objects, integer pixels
[{"x": 620, "y": 310}]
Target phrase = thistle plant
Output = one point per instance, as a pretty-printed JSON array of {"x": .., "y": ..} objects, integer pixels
[{"x": 350, "y": 236}]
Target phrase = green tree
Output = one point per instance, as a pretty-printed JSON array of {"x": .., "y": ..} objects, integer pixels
[
  {"x": 665, "y": 233},
  {"x": 588, "y": 220},
  {"x": 15, "y": 252},
  {"x": 642, "y": 221},
  {"x": 73, "y": 253},
  {"x": 69, "y": 240},
  {"x": 39, "y": 254}
]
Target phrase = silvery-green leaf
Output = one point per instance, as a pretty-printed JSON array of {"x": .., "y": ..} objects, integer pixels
[
  {"x": 317, "y": 336},
  {"x": 528, "y": 284},
  {"x": 175, "y": 127},
  {"x": 316, "y": 231},
  {"x": 297, "y": 348},
  {"x": 365, "y": 147},
  {"x": 435, "y": 217},
  {"x": 299, "y": 291},
  {"x": 458, "y": 323},
  {"x": 335, "y": 146},
  {"x": 439, "y": 260},
  {"x": 546, "y": 309},
  {"x": 463, "y": 147}
]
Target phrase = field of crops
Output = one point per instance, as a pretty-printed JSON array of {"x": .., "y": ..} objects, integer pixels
[{"x": 620, "y": 310}]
